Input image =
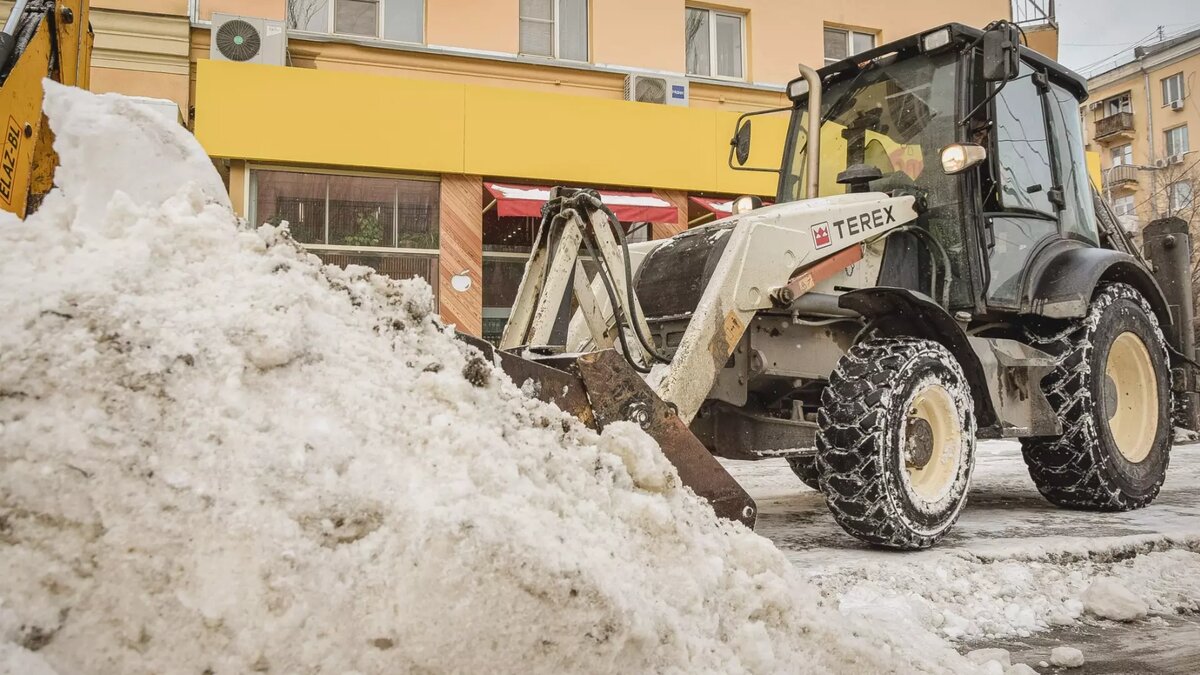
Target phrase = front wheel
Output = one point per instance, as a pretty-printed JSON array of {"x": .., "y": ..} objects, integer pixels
[
  {"x": 896, "y": 445},
  {"x": 1111, "y": 388}
]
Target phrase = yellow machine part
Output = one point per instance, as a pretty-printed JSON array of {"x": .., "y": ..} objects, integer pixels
[{"x": 27, "y": 161}]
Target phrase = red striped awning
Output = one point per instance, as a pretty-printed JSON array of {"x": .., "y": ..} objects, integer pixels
[
  {"x": 630, "y": 207},
  {"x": 720, "y": 208}
]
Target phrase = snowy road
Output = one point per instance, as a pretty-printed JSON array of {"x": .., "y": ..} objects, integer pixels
[
  {"x": 1013, "y": 570},
  {"x": 1004, "y": 512}
]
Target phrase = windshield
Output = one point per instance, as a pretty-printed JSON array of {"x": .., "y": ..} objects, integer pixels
[{"x": 896, "y": 117}]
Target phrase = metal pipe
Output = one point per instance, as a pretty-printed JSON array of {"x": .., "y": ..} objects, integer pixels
[
  {"x": 8, "y": 39},
  {"x": 814, "y": 129},
  {"x": 820, "y": 304},
  {"x": 10, "y": 26}
]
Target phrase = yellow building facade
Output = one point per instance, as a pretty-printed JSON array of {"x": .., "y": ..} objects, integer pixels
[
  {"x": 1139, "y": 118},
  {"x": 393, "y": 133}
]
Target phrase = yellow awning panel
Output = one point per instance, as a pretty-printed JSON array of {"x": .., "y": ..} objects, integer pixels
[{"x": 305, "y": 116}]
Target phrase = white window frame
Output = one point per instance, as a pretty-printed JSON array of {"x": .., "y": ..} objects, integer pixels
[
  {"x": 252, "y": 205},
  {"x": 331, "y": 22},
  {"x": 849, "y": 33},
  {"x": 1125, "y": 159},
  {"x": 1172, "y": 195},
  {"x": 1167, "y": 141},
  {"x": 1124, "y": 205},
  {"x": 1181, "y": 92},
  {"x": 712, "y": 43},
  {"x": 1124, "y": 103},
  {"x": 555, "y": 26}
]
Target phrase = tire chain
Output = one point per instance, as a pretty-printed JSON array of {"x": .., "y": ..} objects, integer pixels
[
  {"x": 852, "y": 423},
  {"x": 1070, "y": 470}
]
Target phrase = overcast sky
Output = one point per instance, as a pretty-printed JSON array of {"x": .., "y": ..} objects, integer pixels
[{"x": 1106, "y": 30}]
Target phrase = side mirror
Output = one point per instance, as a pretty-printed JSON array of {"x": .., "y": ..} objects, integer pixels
[
  {"x": 1001, "y": 53},
  {"x": 741, "y": 143}
]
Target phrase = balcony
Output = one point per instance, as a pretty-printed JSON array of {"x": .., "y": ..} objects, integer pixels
[
  {"x": 1115, "y": 127},
  {"x": 1120, "y": 176}
]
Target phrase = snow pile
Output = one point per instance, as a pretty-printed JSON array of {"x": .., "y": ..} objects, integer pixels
[
  {"x": 217, "y": 456},
  {"x": 1066, "y": 657},
  {"x": 1108, "y": 598},
  {"x": 963, "y": 597}
]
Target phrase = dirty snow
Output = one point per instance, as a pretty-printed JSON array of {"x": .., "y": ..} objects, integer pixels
[
  {"x": 1066, "y": 657},
  {"x": 1014, "y": 565},
  {"x": 218, "y": 456}
]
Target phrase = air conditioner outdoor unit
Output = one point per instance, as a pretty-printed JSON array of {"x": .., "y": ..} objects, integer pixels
[
  {"x": 1160, "y": 163},
  {"x": 1177, "y": 104},
  {"x": 656, "y": 89},
  {"x": 248, "y": 39},
  {"x": 1175, "y": 159}
]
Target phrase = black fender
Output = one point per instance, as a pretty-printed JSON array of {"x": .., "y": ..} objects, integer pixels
[
  {"x": 1064, "y": 279},
  {"x": 900, "y": 312}
]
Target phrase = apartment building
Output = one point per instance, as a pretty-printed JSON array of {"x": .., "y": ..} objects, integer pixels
[
  {"x": 1140, "y": 119},
  {"x": 416, "y": 136}
]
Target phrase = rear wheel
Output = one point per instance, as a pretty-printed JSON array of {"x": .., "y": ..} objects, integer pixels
[
  {"x": 896, "y": 445},
  {"x": 1111, "y": 388}
]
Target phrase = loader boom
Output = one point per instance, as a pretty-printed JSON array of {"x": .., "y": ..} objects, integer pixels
[{"x": 767, "y": 252}]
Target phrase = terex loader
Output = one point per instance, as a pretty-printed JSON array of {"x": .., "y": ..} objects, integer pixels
[{"x": 936, "y": 268}]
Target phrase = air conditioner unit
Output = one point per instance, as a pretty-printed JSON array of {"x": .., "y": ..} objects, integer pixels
[
  {"x": 248, "y": 39},
  {"x": 656, "y": 89},
  {"x": 1175, "y": 159},
  {"x": 1160, "y": 163},
  {"x": 1095, "y": 104},
  {"x": 1177, "y": 104}
]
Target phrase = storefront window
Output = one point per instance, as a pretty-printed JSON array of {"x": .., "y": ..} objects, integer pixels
[{"x": 388, "y": 224}]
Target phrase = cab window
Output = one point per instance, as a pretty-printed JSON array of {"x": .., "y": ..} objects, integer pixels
[{"x": 1023, "y": 148}]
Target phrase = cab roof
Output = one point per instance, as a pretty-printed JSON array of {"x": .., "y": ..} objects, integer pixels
[{"x": 963, "y": 36}]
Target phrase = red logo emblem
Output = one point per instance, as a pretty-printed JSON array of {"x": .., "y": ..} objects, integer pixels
[{"x": 820, "y": 235}]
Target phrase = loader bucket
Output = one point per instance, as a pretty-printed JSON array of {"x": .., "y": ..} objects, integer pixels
[{"x": 600, "y": 388}]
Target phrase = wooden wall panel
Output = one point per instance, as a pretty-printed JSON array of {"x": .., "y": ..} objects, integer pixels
[
  {"x": 680, "y": 199},
  {"x": 461, "y": 249}
]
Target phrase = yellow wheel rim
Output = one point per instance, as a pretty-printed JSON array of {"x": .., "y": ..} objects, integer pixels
[
  {"x": 931, "y": 470},
  {"x": 1131, "y": 397}
]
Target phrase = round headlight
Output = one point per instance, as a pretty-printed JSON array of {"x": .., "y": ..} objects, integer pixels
[
  {"x": 746, "y": 203},
  {"x": 959, "y": 157}
]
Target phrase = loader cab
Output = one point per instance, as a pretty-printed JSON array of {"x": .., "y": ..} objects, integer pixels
[{"x": 1018, "y": 192}]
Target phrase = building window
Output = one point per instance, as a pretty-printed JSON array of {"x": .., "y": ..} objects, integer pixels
[
  {"x": 557, "y": 29},
  {"x": 1123, "y": 206},
  {"x": 841, "y": 44},
  {"x": 1179, "y": 196},
  {"x": 715, "y": 43},
  {"x": 1116, "y": 105},
  {"x": 1172, "y": 89},
  {"x": 1122, "y": 155},
  {"x": 387, "y": 223},
  {"x": 399, "y": 20},
  {"x": 1177, "y": 141}
]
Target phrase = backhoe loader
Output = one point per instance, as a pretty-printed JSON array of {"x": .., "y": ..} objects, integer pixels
[
  {"x": 40, "y": 39},
  {"x": 936, "y": 268}
]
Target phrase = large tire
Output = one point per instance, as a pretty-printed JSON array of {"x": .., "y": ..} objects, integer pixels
[
  {"x": 805, "y": 469},
  {"x": 896, "y": 445},
  {"x": 1116, "y": 441}
]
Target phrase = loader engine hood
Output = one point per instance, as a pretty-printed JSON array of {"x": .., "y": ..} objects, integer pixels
[{"x": 673, "y": 276}]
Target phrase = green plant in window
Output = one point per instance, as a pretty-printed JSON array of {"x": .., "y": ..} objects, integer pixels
[
  {"x": 369, "y": 231},
  {"x": 418, "y": 240}
]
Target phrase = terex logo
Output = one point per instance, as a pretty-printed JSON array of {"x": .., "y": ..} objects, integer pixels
[
  {"x": 863, "y": 222},
  {"x": 820, "y": 235}
]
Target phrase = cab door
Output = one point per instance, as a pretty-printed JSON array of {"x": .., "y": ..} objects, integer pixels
[{"x": 1022, "y": 212}]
